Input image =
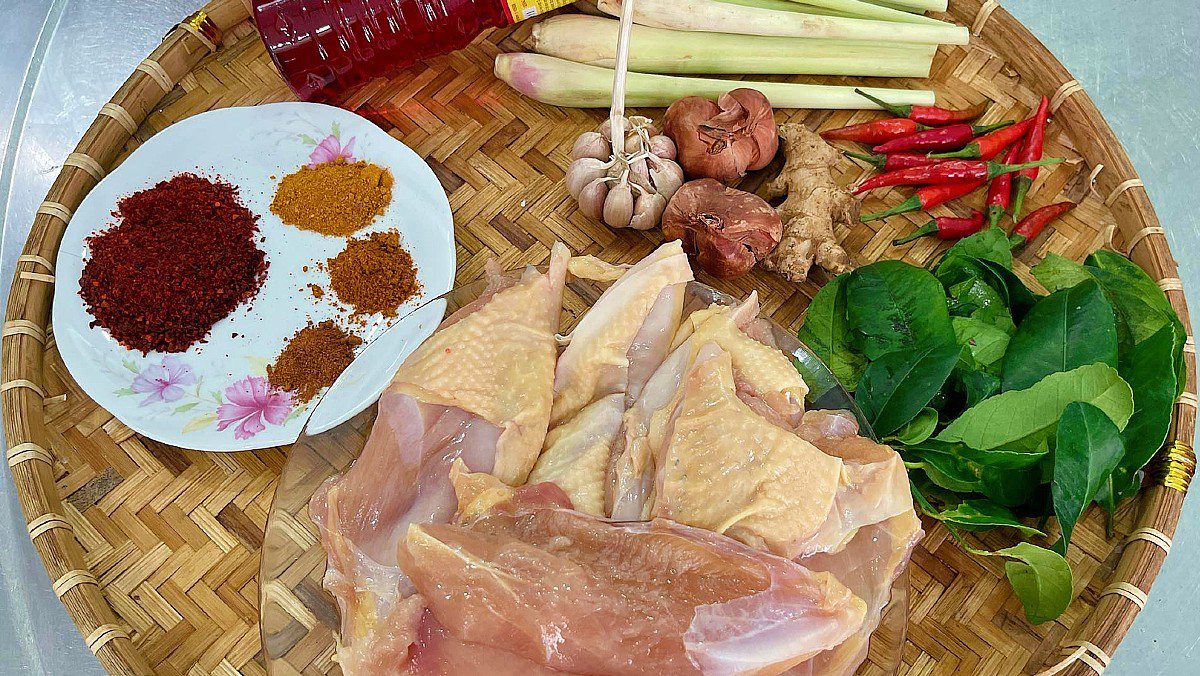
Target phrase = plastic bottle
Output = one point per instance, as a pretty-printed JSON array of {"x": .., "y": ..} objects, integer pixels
[{"x": 323, "y": 47}]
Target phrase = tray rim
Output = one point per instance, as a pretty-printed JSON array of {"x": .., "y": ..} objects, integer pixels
[{"x": 26, "y": 334}]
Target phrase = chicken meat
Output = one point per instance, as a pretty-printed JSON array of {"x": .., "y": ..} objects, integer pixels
[
  {"x": 479, "y": 390},
  {"x": 570, "y": 592}
]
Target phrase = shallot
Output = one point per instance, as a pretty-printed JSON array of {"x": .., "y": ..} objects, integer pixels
[{"x": 728, "y": 230}]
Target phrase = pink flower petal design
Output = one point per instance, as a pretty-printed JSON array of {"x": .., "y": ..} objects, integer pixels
[
  {"x": 250, "y": 402},
  {"x": 329, "y": 149},
  {"x": 163, "y": 382}
]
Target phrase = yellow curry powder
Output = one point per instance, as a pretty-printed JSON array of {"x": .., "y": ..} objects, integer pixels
[{"x": 333, "y": 198}]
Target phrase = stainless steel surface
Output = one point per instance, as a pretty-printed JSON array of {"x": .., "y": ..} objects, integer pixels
[{"x": 64, "y": 58}]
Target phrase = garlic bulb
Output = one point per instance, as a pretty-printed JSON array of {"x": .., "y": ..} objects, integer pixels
[{"x": 626, "y": 189}]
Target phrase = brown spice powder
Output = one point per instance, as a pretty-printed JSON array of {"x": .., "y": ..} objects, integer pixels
[
  {"x": 333, "y": 198},
  {"x": 312, "y": 359},
  {"x": 374, "y": 274}
]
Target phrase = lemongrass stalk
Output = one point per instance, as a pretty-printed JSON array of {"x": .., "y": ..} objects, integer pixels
[
  {"x": 788, "y": 6},
  {"x": 592, "y": 40},
  {"x": 720, "y": 17},
  {"x": 913, "y": 5},
  {"x": 565, "y": 83},
  {"x": 865, "y": 10}
]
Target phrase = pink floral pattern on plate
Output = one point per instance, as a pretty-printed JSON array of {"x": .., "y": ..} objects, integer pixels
[
  {"x": 163, "y": 382},
  {"x": 251, "y": 401}
]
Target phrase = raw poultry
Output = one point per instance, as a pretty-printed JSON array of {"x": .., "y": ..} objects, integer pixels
[{"x": 686, "y": 514}]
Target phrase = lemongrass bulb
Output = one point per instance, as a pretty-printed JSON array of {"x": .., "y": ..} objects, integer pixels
[
  {"x": 582, "y": 172},
  {"x": 592, "y": 198},
  {"x": 591, "y": 144},
  {"x": 618, "y": 205}
]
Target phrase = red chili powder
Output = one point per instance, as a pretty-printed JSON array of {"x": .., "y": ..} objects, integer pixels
[{"x": 182, "y": 256}]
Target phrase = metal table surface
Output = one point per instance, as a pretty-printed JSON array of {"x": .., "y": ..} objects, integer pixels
[{"x": 64, "y": 58}]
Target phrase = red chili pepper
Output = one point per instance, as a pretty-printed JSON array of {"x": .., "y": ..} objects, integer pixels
[
  {"x": 1000, "y": 191},
  {"x": 989, "y": 145},
  {"x": 877, "y": 131},
  {"x": 929, "y": 115},
  {"x": 1032, "y": 225},
  {"x": 946, "y": 227},
  {"x": 1032, "y": 150},
  {"x": 925, "y": 198},
  {"x": 940, "y": 138},
  {"x": 954, "y": 171},
  {"x": 895, "y": 161}
]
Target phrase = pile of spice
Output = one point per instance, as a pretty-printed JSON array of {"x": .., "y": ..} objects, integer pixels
[
  {"x": 312, "y": 359},
  {"x": 182, "y": 256},
  {"x": 333, "y": 198},
  {"x": 374, "y": 274}
]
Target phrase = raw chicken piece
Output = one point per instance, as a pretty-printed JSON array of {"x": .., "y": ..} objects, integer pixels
[
  {"x": 577, "y": 594},
  {"x": 576, "y": 455},
  {"x": 612, "y": 352},
  {"x": 625, "y": 335},
  {"x": 479, "y": 390},
  {"x": 725, "y": 468},
  {"x": 869, "y": 566},
  {"x": 766, "y": 380},
  {"x": 874, "y": 486}
]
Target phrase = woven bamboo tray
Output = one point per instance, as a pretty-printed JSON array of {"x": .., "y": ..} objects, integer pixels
[{"x": 154, "y": 550}]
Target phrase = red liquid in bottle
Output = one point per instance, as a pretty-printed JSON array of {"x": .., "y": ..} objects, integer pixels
[{"x": 324, "y": 47}]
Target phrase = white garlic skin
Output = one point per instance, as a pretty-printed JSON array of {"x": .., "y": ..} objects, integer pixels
[
  {"x": 582, "y": 172},
  {"x": 591, "y": 144},
  {"x": 618, "y": 205},
  {"x": 663, "y": 147},
  {"x": 666, "y": 175},
  {"x": 647, "y": 211},
  {"x": 592, "y": 197}
]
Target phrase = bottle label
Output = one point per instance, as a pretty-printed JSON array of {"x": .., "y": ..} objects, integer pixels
[{"x": 519, "y": 10}]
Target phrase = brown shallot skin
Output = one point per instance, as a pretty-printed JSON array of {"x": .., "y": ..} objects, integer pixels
[
  {"x": 728, "y": 230},
  {"x": 723, "y": 140}
]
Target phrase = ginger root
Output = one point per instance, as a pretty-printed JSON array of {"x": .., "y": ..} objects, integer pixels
[{"x": 814, "y": 204}]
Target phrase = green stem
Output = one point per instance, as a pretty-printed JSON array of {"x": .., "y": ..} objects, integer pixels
[
  {"x": 996, "y": 168},
  {"x": 911, "y": 204},
  {"x": 879, "y": 161},
  {"x": 970, "y": 152},
  {"x": 898, "y": 111},
  {"x": 1020, "y": 190},
  {"x": 929, "y": 228}
]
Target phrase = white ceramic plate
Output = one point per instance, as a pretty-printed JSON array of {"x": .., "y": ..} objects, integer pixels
[{"x": 214, "y": 395}]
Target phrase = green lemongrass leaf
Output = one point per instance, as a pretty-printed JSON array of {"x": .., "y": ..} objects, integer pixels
[
  {"x": 1057, "y": 273},
  {"x": 826, "y": 331},
  {"x": 1148, "y": 367},
  {"x": 1087, "y": 450},
  {"x": 984, "y": 340},
  {"x": 897, "y": 386},
  {"x": 897, "y": 306},
  {"x": 919, "y": 428},
  {"x": 1027, "y": 417},
  {"x": 982, "y": 514},
  {"x": 1065, "y": 330}
]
